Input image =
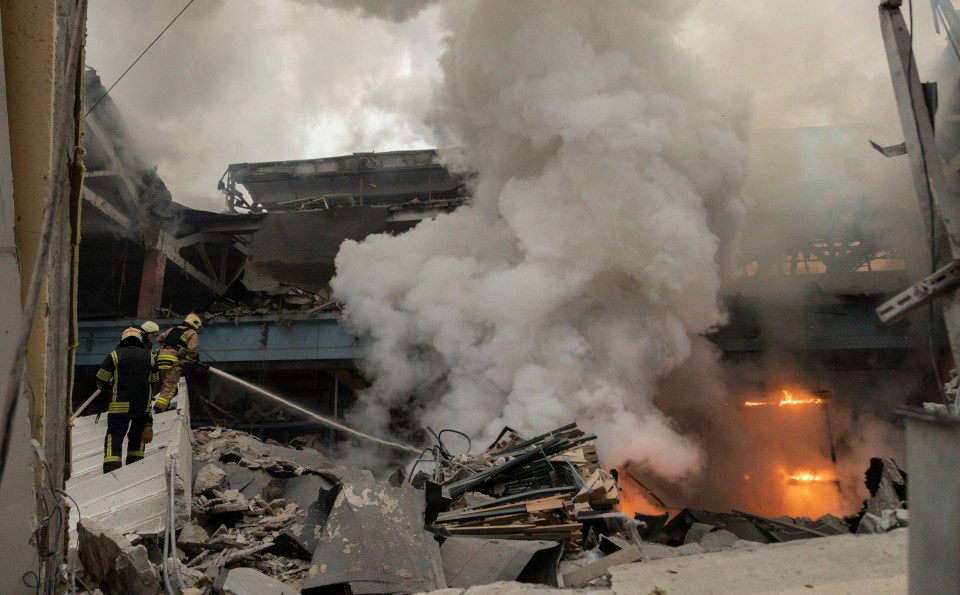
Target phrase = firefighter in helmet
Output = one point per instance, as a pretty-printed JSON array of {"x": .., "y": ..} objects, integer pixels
[
  {"x": 126, "y": 378},
  {"x": 178, "y": 345},
  {"x": 148, "y": 329}
]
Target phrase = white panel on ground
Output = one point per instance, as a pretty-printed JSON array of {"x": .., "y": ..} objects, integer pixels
[{"x": 134, "y": 498}]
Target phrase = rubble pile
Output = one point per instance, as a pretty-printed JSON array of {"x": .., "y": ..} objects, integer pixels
[
  {"x": 295, "y": 301},
  {"x": 269, "y": 518}
]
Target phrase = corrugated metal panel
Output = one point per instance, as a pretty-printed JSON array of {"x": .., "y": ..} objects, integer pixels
[{"x": 134, "y": 497}]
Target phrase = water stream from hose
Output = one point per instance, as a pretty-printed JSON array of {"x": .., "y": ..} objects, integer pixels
[{"x": 320, "y": 418}]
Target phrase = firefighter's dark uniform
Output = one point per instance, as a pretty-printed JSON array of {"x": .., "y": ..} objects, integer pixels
[
  {"x": 175, "y": 342},
  {"x": 132, "y": 369}
]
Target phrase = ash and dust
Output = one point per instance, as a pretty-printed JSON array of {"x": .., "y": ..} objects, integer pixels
[{"x": 608, "y": 212}]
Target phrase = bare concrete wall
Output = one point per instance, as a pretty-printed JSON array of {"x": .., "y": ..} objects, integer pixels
[
  {"x": 16, "y": 492},
  {"x": 35, "y": 51}
]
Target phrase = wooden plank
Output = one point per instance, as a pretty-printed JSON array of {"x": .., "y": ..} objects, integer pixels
[
  {"x": 497, "y": 520},
  {"x": 534, "y": 503},
  {"x": 587, "y": 573},
  {"x": 565, "y": 528},
  {"x": 493, "y": 530}
]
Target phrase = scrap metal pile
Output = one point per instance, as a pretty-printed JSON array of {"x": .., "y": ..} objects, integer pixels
[{"x": 541, "y": 487}]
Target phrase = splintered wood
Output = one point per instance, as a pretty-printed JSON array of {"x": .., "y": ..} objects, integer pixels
[{"x": 542, "y": 488}]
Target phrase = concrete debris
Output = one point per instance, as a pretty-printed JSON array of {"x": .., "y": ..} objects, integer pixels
[
  {"x": 887, "y": 485},
  {"x": 653, "y": 551},
  {"x": 209, "y": 478},
  {"x": 886, "y": 521},
  {"x": 216, "y": 445},
  {"x": 247, "y": 581},
  {"x": 314, "y": 496},
  {"x": 273, "y": 519},
  {"x": 113, "y": 562},
  {"x": 718, "y": 540},
  {"x": 696, "y": 532},
  {"x": 601, "y": 567}
]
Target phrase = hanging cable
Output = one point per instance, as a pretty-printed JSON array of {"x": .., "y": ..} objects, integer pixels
[{"x": 138, "y": 58}]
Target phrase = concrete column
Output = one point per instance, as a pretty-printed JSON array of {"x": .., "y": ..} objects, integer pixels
[
  {"x": 151, "y": 283},
  {"x": 16, "y": 492},
  {"x": 43, "y": 105}
]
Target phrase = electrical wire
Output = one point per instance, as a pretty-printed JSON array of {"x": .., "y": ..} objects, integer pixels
[
  {"x": 73, "y": 564},
  {"x": 138, "y": 58}
]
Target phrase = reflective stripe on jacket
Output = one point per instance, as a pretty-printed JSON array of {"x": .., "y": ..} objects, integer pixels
[{"x": 133, "y": 370}]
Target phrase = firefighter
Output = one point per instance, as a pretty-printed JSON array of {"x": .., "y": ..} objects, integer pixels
[
  {"x": 126, "y": 376},
  {"x": 147, "y": 330},
  {"x": 178, "y": 344}
]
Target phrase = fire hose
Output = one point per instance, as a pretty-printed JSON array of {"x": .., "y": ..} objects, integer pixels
[
  {"x": 85, "y": 403},
  {"x": 320, "y": 418}
]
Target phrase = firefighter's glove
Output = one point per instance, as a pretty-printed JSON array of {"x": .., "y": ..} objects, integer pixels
[
  {"x": 157, "y": 409},
  {"x": 147, "y": 434},
  {"x": 103, "y": 386}
]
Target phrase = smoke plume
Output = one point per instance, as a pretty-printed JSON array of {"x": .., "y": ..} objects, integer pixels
[{"x": 608, "y": 199}]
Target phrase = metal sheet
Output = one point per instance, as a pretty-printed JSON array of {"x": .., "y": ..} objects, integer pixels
[
  {"x": 468, "y": 561},
  {"x": 279, "y": 258},
  {"x": 374, "y": 542},
  {"x": 134, "y": 497}
]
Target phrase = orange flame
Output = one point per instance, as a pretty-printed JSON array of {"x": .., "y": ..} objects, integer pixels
[
  {"x": 803, "y": 477},
  {"x": 787, "y": 399}
]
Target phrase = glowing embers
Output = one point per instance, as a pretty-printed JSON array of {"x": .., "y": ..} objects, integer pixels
[{"x": 788, "y": 399}]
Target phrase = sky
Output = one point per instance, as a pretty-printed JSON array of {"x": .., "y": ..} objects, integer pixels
[{"x": 260, "y": 80}]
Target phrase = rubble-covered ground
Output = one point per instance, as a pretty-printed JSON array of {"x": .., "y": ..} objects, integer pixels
[{"x": 525, "y": 514}]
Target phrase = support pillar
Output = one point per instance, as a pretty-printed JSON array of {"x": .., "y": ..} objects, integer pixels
[{"x": 151, "y": 283}]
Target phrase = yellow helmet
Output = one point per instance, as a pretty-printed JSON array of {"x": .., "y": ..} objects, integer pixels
[
  {"x": 193, "y": 321},
  {"x": 149, "y": 327}
]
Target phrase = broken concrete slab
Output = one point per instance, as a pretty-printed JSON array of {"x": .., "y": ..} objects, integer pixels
[
  {"x": 471, "y": 561},
  {"x": 718, "y": 540},
  {"x": 594, "y": 570},
  {"x": 887, "y": 484},
  {"x": 654, "y": 551},
  {"x": 113, "y": 562},
  {"x": 314, "y": 496},
  {"x": 374, "y": 542},
  {"x": 192, "y": 537},
  {"x": 843, "y": 563},
  {"x": 209, "y": 478},
  {"x": 248, "y": 581},
  {"x": 696, "y": 532},
  {"x": 871, "y": 523}
]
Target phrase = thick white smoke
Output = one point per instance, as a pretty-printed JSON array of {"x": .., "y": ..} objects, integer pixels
[{"x": 610, "y": 165}]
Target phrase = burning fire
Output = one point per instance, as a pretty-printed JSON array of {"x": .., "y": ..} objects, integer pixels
[
  {"x": 803, "y": 478},
  {"x": 788, "y": 399}
]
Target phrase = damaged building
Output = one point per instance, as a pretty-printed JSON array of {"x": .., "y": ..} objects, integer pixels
[{"x": 249, "y": 486}]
